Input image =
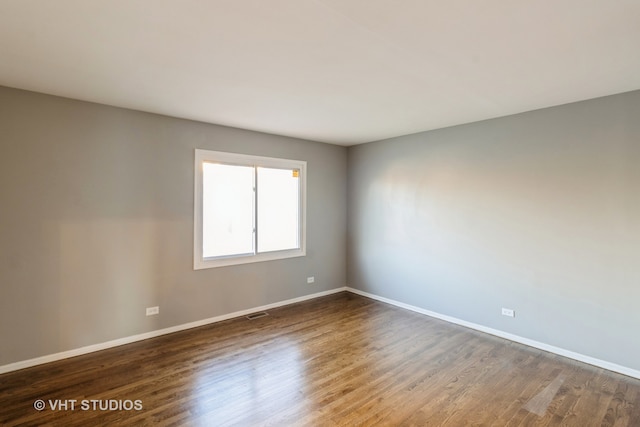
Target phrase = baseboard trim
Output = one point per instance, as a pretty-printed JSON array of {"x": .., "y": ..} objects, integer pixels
[
  {"x": 152, "y": 334},
  {"x": 511, "y": 337},
  {"x": 139, "y": 337}
]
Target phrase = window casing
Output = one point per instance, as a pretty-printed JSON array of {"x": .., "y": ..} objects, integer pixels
[{"x": 247, "y": 209}]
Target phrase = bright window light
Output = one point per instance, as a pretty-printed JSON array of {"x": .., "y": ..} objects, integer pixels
[
  {"x": 247, "y": 209},
  {"x": 227, "y": 210},
  {"x": 278, "y": 209}
]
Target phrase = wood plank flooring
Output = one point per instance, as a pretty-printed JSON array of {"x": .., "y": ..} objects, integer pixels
[{"x": 341, "y": 360}]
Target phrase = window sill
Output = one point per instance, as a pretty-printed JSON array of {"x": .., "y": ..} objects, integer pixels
[{"x": 201, "y": 264}]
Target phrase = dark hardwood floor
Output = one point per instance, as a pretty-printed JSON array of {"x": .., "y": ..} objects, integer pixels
[{"x": 341, "y": 360}]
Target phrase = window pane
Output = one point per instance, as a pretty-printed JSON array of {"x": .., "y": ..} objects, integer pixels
[
  {"x": 278, "y": 209},
  {"x": 227, "y": 210}
]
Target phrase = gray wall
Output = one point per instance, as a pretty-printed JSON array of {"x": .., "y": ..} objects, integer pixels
[
  {"x": 96, "y": 223},
  {"x": 538, "y": 212}
]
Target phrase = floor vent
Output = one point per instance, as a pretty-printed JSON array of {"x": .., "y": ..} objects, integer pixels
[{"x": 257, "y": 315}]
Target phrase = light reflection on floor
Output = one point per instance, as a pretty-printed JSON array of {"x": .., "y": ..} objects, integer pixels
[{"x": 252, "y": 387}]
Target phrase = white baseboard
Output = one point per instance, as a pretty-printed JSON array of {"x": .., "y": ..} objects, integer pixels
[
  {"x": 511, "y": 337},
  {"x": 126, "y": 340}
]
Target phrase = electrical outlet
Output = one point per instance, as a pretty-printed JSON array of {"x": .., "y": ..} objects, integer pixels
[
  {"x": 152, "y": 311},
  {"x": 311, "y": 279},
  {"x": 508, "y": 312}
]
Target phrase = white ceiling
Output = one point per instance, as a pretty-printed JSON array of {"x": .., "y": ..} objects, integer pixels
[{"x": 337, "y": 71}]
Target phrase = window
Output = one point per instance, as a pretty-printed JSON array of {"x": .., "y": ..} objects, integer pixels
[{"x": 247, "y": 209}]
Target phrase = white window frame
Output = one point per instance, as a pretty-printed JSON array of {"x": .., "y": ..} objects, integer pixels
[{"x": 202, "y": 156}]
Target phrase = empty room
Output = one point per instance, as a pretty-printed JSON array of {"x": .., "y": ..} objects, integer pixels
[{"x": 320, "y": 213}]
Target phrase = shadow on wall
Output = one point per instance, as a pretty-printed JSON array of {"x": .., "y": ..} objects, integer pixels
[{"x": 114, "y": 264}]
